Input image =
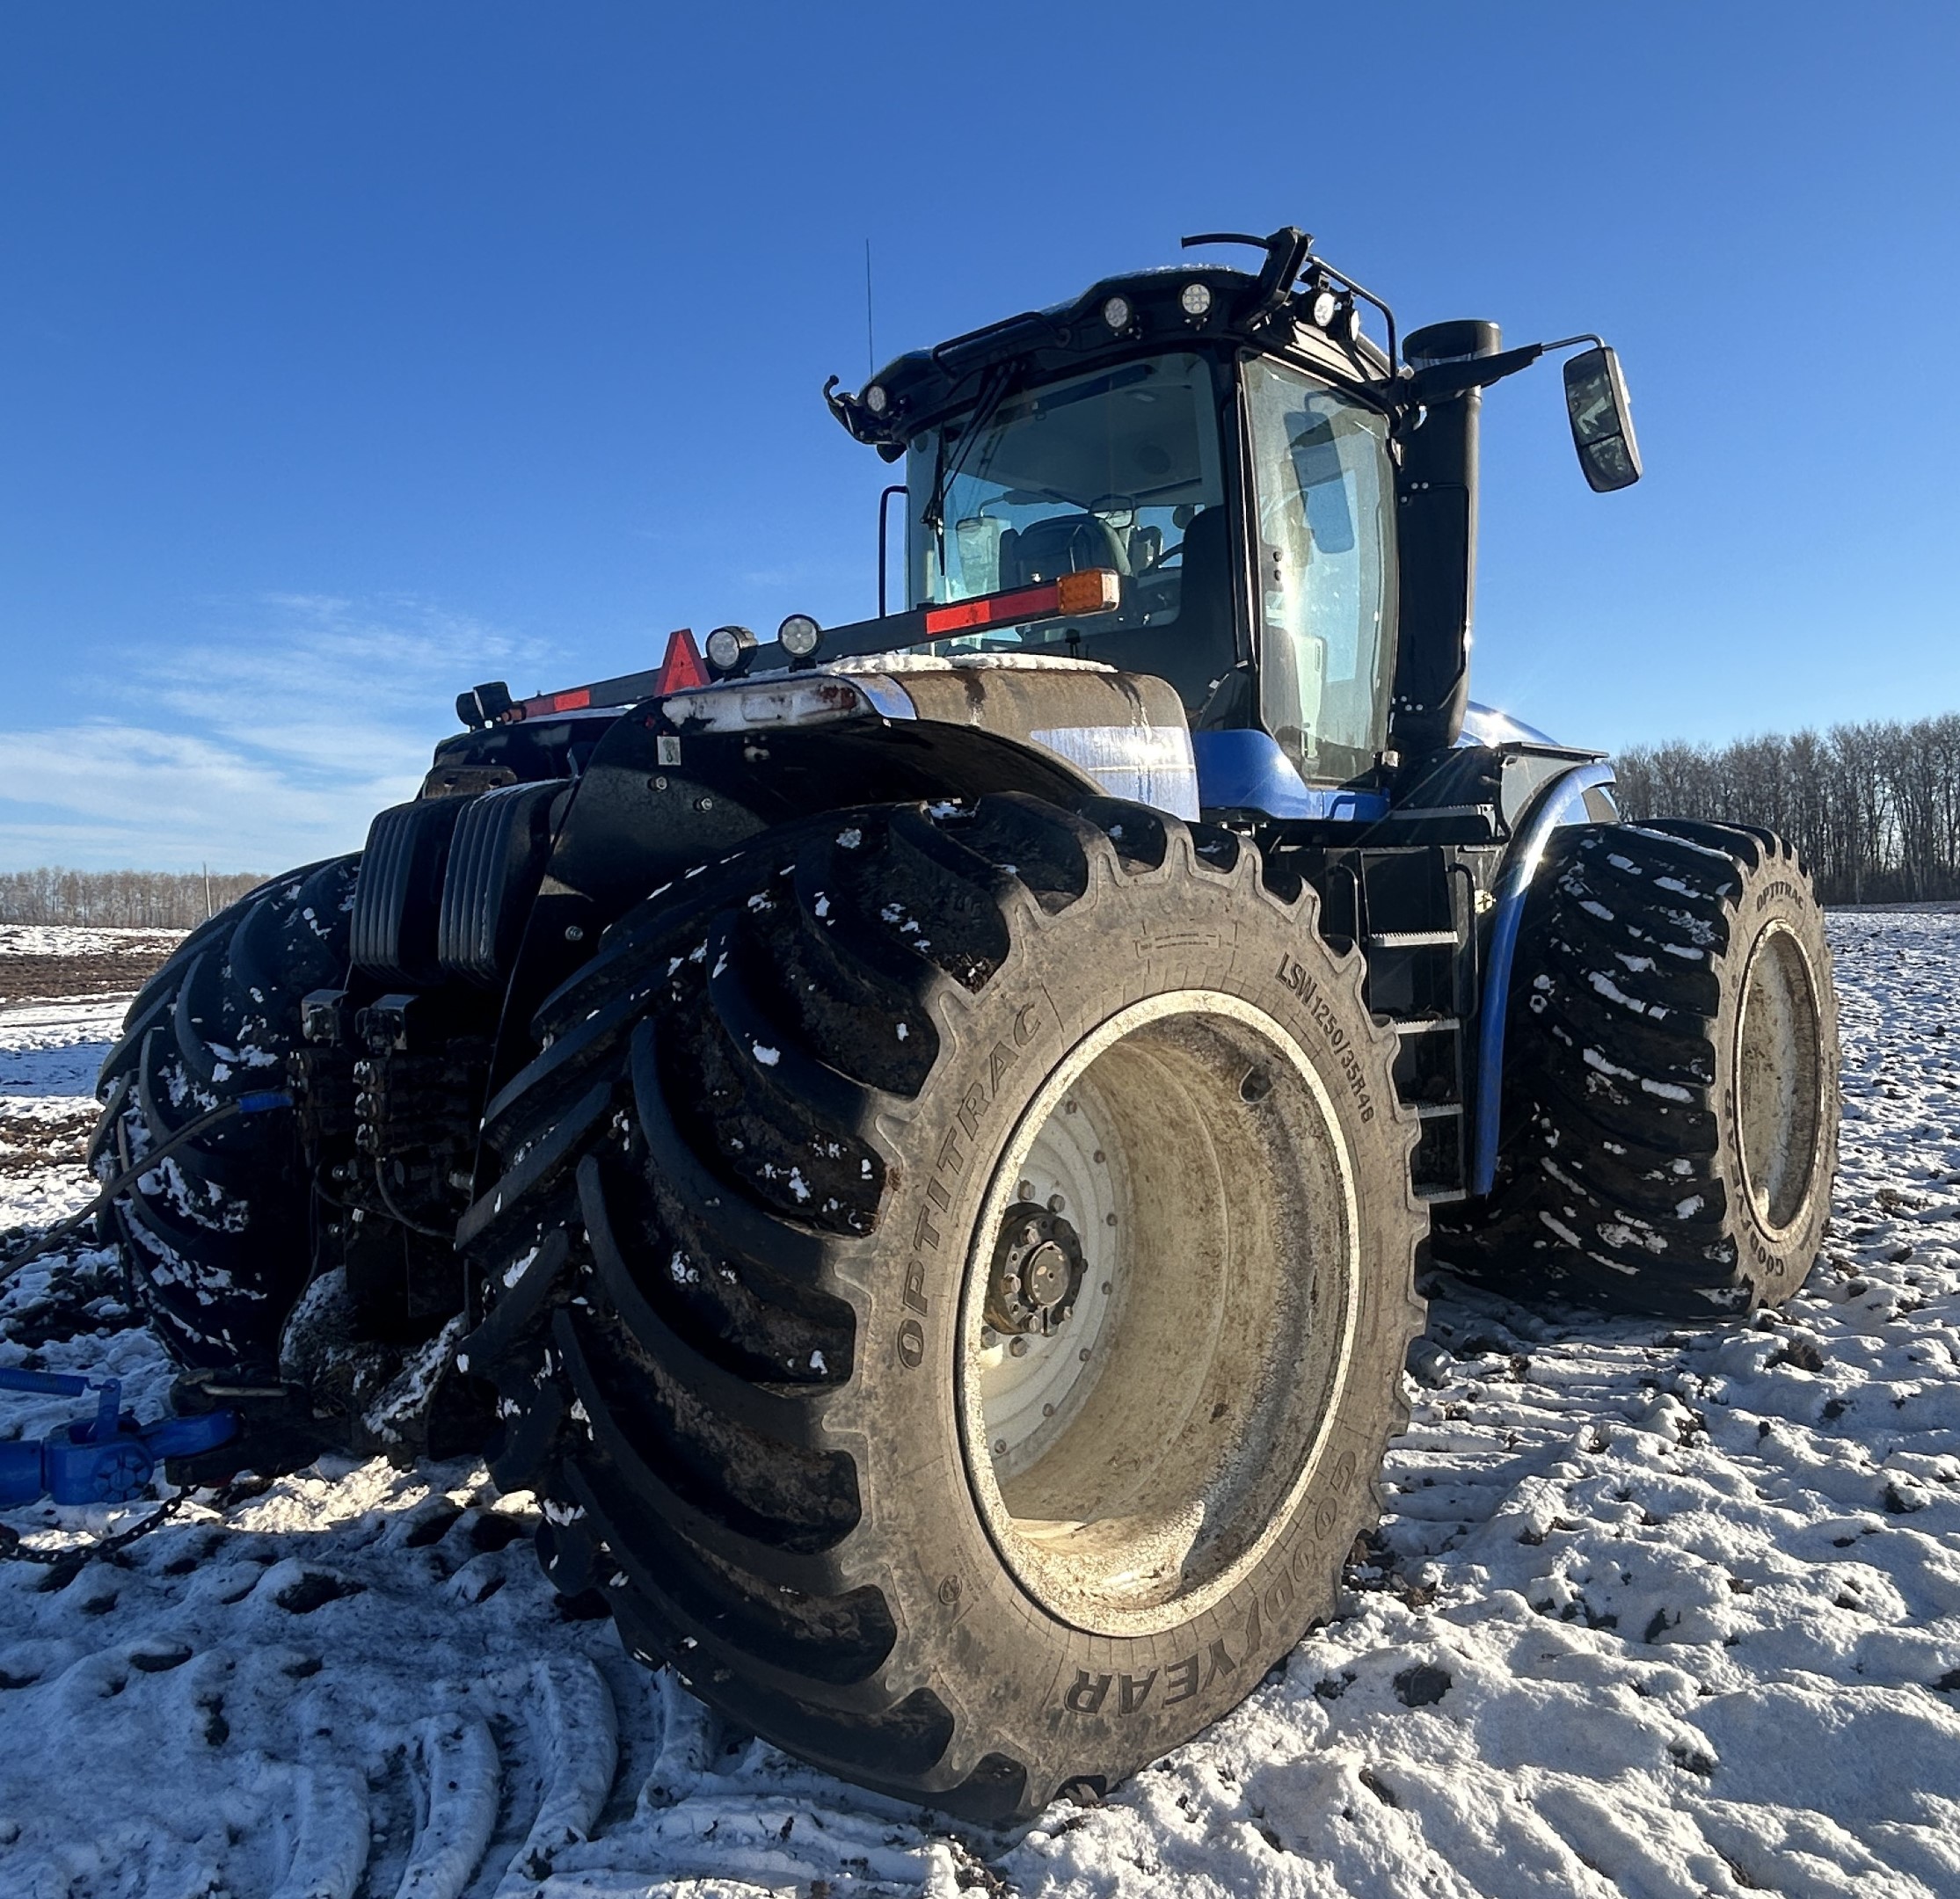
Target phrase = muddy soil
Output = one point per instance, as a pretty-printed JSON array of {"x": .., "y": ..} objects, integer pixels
[{"x": 42, "y": 978}]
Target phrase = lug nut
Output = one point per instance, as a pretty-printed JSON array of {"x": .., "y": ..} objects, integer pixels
[
  {"x": 1056, "y": 1203},
  {"x": 1017, "y": 1346}
]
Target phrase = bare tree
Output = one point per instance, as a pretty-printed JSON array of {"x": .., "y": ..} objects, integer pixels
[
  {"x": 1874, "y": 808},
  {"x": 118, "y": 899}
]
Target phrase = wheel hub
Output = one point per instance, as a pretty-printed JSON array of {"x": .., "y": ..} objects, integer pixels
[{"x": 1036, "y": 1273}]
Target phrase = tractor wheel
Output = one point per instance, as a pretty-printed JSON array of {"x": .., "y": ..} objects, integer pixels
[
  {"x": 216, "y": 1241},
  {"x": 1670, "y": 1090},
  {"x": 952, "y": 1272}
]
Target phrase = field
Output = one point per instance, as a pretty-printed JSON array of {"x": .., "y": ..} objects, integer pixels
[{"x": 1654, "y": 1611}]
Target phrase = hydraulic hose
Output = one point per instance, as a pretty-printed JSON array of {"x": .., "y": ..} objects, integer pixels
[{"x": 258, "y": 1101}]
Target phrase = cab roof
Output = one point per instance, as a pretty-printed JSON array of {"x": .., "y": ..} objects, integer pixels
[{"x": 1141, "y": 312}]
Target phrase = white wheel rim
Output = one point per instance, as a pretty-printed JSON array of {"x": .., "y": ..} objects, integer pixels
[
  {"x": 1134, "y": 1466},
  {"x": 1779, "y": 1080}
]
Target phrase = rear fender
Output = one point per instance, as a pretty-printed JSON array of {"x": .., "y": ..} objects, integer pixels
[{"x": 1562, "y": 800}]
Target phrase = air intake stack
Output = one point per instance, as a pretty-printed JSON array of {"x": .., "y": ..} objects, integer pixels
[{"x": 1436, "y": 505}]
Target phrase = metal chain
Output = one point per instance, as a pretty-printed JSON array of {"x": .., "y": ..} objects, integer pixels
[{"x": 12, "y": 1549}]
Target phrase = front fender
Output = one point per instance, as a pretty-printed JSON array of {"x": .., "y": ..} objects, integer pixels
[{"x": 654, "y": 802}]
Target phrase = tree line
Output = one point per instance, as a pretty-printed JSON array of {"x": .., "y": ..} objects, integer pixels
[
  {"x": 118, "y": 899},
  {"x": 1874, "y": 808}
]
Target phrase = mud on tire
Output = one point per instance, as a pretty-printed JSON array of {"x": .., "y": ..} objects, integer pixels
[
  {"x": 1671, "y": 1092},
  {"x": 774, "y": 1201},
  {"x": 216, "y": 1242}
]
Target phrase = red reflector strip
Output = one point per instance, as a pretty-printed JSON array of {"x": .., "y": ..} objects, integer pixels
[
  {"x": 681, "y": 669},
  {"x": 1093, "y": 591},
  {"x": 994, "y": 609}
]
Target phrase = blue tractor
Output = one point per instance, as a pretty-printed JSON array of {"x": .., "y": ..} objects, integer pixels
[{"x": 916, "y": 1141}]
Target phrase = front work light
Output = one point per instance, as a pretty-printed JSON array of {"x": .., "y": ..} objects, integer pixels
[
  {"x": 799, "y": 635},
  {"x": 1323, "y": 306},
  {"x": 1116, "y": 312},
  {"x": 730, "y": 649},
  {"x": 1196, "y": 299}
]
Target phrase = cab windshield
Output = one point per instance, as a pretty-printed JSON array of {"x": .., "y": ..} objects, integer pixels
[{"x": 1120, "y": 469}]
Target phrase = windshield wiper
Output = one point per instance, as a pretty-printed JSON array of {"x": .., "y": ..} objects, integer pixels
[{"x": 933, "y": 515}]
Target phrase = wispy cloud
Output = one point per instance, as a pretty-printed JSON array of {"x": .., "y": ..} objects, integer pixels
[{"x": 267, "y": 743}]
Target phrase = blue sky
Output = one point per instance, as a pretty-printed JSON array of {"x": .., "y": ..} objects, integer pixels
[{"x": 353, "y": 354}]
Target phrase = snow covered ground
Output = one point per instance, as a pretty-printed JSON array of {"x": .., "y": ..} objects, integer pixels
[
  {"x": 1654, "y": 1611},
  {"x": 70, "y": 939}
]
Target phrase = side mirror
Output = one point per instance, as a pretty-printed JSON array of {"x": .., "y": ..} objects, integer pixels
[{"x": 1602, "y": 420}]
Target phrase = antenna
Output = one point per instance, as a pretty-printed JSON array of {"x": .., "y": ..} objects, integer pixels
[{"x": 870, "y": 340}]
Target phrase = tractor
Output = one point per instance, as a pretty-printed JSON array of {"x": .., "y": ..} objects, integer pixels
[{"x": 916, "y": 1140}]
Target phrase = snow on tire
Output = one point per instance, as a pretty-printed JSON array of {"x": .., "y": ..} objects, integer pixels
[
  {"x": 216, "y": 1242},
  {"x": 953, "y": 1269},
  {"x": 1671, "y": 1088}
]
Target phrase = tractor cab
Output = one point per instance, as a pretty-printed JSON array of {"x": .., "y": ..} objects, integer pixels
[
  {"x": 1226, "y": 459},
  {"x": 1282, "y": 517}
]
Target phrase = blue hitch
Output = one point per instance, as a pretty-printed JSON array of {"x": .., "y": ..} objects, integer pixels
[{"x": 109, "y": 1458}]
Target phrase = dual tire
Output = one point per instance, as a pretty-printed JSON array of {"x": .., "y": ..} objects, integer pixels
[
  {"x": 955, "y": 1267},
  {"x": 1672, "y": 1094},
  {"x": 217, "y": 1239}
]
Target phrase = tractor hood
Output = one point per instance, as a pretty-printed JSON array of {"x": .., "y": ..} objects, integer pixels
[{"x": 1123, "y": 733}]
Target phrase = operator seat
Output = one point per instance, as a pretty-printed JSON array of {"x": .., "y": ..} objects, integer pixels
[
  {"x": 1195, "y": 651},
  {"x": 1063, "y": 544},
  {"x": 1204, "y": 593}
]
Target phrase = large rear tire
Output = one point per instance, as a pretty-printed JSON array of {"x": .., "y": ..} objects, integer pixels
[
  {"x": 952, "y": 1273},
  {"x": 1671, "y": 1088},
  {"x": 217, "y": 1239}
]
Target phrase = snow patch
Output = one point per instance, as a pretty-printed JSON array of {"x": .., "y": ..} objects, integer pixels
[{"x": 896, "y": 664}]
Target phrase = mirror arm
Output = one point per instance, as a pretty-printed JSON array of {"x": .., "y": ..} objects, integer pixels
[{"x": 1445, "y": 381}]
